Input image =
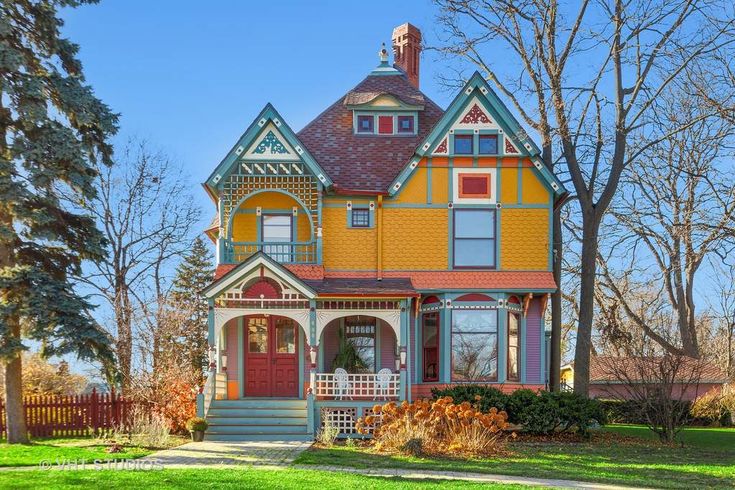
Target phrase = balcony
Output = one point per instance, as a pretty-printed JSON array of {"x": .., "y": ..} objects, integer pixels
[{"x": 283, "y": 252}]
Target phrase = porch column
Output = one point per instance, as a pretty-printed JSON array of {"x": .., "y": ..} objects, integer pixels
[
  {"x": 404, "y": 390},
  {"x": 313, "y": 351}
]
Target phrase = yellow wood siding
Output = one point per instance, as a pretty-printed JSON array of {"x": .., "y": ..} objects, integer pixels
[
  {"x": 524, "y": 239},
  {"x": 415, "y": 239},
  {"x": 413, "y": 191},
  {"x": 508, "y": 185},
  {"x": 346, "y": 248},
  {"x": 534, "y": 191},
  {"x": 439, "y": 185}
]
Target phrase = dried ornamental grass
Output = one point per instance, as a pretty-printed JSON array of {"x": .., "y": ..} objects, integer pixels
[{"x": 442, "y": 426}]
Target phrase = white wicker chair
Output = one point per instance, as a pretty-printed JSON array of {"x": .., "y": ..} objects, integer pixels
[
  {"x": 382, "y": 383},
  {"x": 342, "y": 384}
]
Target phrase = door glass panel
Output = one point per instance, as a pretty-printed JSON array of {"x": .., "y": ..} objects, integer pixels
[
  {"x": 285, "y": 336},
  {"x": 258, "y": 336},
  {"x": 430, "y": 330}
]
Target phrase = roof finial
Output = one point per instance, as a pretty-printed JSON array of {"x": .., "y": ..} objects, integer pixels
[{"x": 383, "y": 55}]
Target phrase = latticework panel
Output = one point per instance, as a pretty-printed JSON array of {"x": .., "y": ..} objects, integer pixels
[
  {"x": 343, "y": 418},
  {"x": 237, "y": 186},
  {"x": 367, "y": 412}
]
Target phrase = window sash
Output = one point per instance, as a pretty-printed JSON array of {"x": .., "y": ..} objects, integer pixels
[
  {"x": 360, "y": 218},
  {"x": 488, "y": 144},
  {"x": 460, "y": 142}
]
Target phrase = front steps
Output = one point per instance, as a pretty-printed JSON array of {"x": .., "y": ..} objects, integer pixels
[{"x": 258, "y": 419}]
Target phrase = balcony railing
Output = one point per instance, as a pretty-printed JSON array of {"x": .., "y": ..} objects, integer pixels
[
  {"x": 357, "y": 386},
  {"x": 283, "y": 252}
]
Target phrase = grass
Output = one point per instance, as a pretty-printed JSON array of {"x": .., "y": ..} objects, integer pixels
[
  {"x": 222, "y": 478},
  {"x": 708, "y": 461},
  {"x": 704, "y": 437},
  {"x": 54, "y": 449}
]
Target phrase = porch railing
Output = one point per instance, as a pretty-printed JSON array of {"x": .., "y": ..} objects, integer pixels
[
  {"x": 283, "y": 252},
  {"x": 357, "y": 386}
]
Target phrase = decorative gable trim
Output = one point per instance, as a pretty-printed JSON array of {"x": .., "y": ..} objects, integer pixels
[
  {"x": 268, "y": 122},
  {"x": 253, "y": 264},
  {"x": 477, "y": 91}
]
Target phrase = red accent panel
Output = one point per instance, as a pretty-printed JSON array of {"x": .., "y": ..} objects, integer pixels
[
  {"x": 475, "y": 116},
  {"x": 265, "y": 288},
  {"x": 514, "y": 300},
  {"x": 385, "y": 124},
  {"x": 474, "y": 185},
  {"x": 431, "y": 300},
  {"x": 474, "y": 297}
]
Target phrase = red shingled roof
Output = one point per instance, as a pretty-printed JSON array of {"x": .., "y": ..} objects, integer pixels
[
  {"x": 424, "y": 280},
  {"x": 360, "y": 162},
  {"x": 607, "y": 369},
  {"x": 303, "y": 271}
]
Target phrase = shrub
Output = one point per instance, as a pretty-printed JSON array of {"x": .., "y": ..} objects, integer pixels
[
  {"x": 539, "y": 413},
  {"x": 489, "y": 397},
  {"x": 327, "y": 434},
  {"x": 144, "y": 429},
  {"x": 438, "y": 427},
  {"x": 716, "y": 406},
  {"x": 196, "y": 424}
]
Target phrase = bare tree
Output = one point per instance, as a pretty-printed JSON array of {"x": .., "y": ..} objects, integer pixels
[
  {"x": 677, "y": 209},
  {"x": 147, "y": 215},
  {"x": 599, "y": 68},
  {"x": 722, "y": 309}
]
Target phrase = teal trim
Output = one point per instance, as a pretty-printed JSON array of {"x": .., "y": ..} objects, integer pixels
[
  {"x": 200, "y": 405},
  {"x": 414, "y": 205},
  {"x": 378, "y": 346},
  {"x": 526, "y": 206},
  {"x": 429, "y": 190},
  {"x": 475, "y": 86},
  {"x": 310, "y": 419},
  {"x": 252, "y": 133},
  {"x": 450, "y": 218},
  {"x": 312, "y": 323},
  {"x": 241, "y": 355},
  {"x": 418, "y": 339},
  {"x": 221, "y": 251},
  {"x": 520, "y": 181},
  {"x": 375, "y": 112},
  {"x": 319, "y": 240},
  {"x": 502, "y": 345},
  {"x": 445, "y": 350},
  {"x": 210, "y": 322},
  {"x": 551, "y": 233}
]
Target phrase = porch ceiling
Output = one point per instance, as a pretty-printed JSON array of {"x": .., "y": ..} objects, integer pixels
[{"x": 363, "y": 287}]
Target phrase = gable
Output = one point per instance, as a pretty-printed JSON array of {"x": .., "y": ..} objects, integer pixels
[
  {"x": 267, "y": 147},
  {"x": 477, "y": 111}
]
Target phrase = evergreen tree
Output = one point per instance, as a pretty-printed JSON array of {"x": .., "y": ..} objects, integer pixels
[
  {"x": 53, "y": 133},
  {"x": 193, "y": 274}
]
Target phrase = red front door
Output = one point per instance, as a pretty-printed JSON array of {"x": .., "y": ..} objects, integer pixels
[{"x": 271, "y": 365}]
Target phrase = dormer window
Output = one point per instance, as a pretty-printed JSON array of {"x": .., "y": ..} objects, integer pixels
[
  {"x": 365, "y": 124},
  {"x": 385, "y": 123}
]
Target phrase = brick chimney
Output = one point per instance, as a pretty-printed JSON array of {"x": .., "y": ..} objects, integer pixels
[{"x": 407, "y": 51}]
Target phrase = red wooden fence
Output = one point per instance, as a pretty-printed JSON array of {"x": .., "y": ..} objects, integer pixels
[{"x": 77, "y": 415}]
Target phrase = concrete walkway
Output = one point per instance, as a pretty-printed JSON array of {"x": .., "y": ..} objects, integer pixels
[{"x": 213, "y": 454}]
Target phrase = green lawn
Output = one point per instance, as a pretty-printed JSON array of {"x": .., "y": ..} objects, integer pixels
[
  {"x": 704, "y": 437},
  {"x": 67, "y": 449},
  {"x": 220, "y": 478},
  {"x": 708, "y": 462}
]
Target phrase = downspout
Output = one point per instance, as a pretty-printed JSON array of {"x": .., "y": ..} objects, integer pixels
[{"x": 379, "y": 227}]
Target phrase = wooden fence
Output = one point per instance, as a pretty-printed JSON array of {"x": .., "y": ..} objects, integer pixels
[{"x": 78, "y": 415}]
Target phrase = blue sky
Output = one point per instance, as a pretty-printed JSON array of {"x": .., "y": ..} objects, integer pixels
[{"x": 191, "y": 76}]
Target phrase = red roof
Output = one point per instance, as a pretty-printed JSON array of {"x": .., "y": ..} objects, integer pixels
[
  {"x": 607, "y": 369},
  {"x": 361, "y": 162},
  {"x": 440, "y": 280},
  {"x": 303, "y": 271}
]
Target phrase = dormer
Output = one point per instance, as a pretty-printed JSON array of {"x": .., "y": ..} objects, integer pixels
[{"x": 381, "y": 112}]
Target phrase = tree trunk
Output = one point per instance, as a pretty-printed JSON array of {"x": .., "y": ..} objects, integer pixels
[
  {"x": 588, "y": 264},
  {"x": 124, "y": 336},
  {"x": 17, "y": 433},
  {"x": 555, "y": 355}
]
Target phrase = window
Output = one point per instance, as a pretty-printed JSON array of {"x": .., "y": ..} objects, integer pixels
[
  {"x": 405, "y": 124},
  {"x": 385, "y": 124},
  {"x": 360, "y": 333},
  {"x": 514, "y": 358},
  {"x": 474, "y": 186},
  {"x": 474, "y": 238},
  {"x": 365, "y": 124},
  {"x": 277, "y": 228},
  {"x": 430, "y": 340},
  {"x": 474, "y": 345},
  {"x": 258, "y": 335},
  {"x": 488, "y": 144},
  {"x": 285, "y": 336},
  {"x": 463, "y": 144},
  {"x": 360, "y": 218}
]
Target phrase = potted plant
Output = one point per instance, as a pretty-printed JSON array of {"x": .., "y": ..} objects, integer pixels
[{"x": 197, "y": 426}]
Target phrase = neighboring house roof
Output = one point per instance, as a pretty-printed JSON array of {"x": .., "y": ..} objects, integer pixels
[
  {"x": 614, "y": 369},
  {"x": 366, "y": 162}
]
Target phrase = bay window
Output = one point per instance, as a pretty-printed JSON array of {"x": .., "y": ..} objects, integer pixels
[{"x": 474, "y": 345}]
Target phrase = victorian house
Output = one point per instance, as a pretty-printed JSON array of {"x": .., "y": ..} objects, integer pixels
[{"x": 387, "y": 248}]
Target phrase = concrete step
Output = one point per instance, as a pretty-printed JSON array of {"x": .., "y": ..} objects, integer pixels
[
  {"x": 256, "y": 412},
  {"x": 269, "y": 420},
  {"x": 281, "y": 403},
  {"x": 256, "y": 429},
  {"x": 258, "y": 437}
]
